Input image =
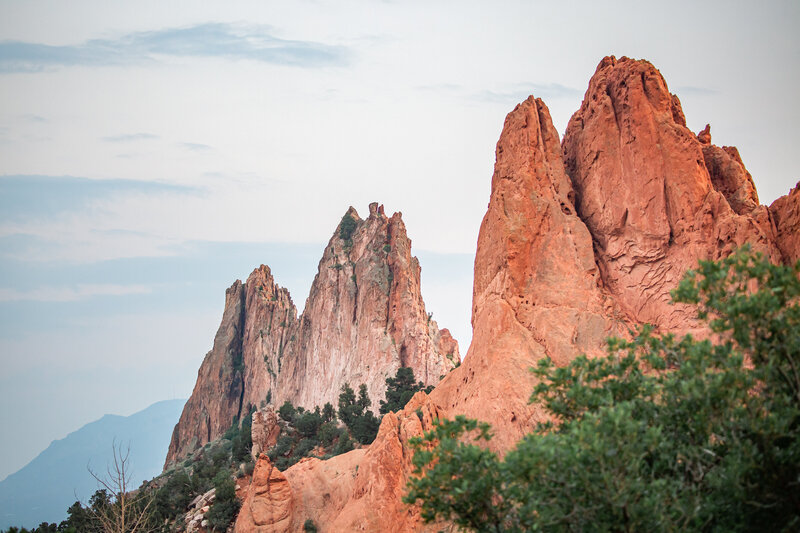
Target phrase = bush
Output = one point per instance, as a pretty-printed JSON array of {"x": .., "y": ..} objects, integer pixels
[
  {"x": 309, "y": 526},
  {"x": 400, "y": 389},
  {"x": 281, "y": 448},
  {"x": 287, "y": 412},
  {"x": 347, "y": 226},
  {"x": 308, "y": 423},
  {"x": 365, "y": 428},
  {"x": 344, "y": 445},
  {"x": 174, "y": 496},
  {"x": 327, "y": 433}
]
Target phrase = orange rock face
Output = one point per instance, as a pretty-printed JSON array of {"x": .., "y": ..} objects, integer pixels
[
  {"x": 268, "y": 504},
  {"x": 786, "y": 214},
  {"x": 654, "y": 197},
  {"x": 264, "y": 431},
  {"x": 364, "y": 318},
  {"x": 581, "y": 240}
]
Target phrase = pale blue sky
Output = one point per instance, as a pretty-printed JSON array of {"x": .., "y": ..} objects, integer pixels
[{"x": 152, "y": 152}]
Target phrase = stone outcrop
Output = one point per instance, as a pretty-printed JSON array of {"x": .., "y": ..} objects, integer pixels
[
  {"x": 264, "y": 431},
  {"x": 582, "y": 239},
  {"x": 785, "y": 212},
  {"x": 268, "y": 504},
  {"x": 364, "y": 318},
  {"x": 195, "y": 520}
]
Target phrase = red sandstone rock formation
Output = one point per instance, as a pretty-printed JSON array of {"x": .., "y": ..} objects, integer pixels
[
  {"x": 654, "y": 197},
  {"x": 265, "y": 430},
  {"x": 364, "y": 318},
  {"x": 786, "y": 214},
  {"x": 268, "y": 504},
  {"x": 578, "y": 242}
]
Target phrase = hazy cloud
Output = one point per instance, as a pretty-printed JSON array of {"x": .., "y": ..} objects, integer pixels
[
  {"x": 30, "y": 117},
  {"x": 70, "y": 294},
  {"x": 695, "y": 91},
  {"x": 34, "y": 196},
  {"x": 521, "y": 91},
  {"x": 130, "y": 137},
  {"x": 196, "y": 147},
  {"x": 509, "y": 94},
  {"x": 230, "y": 41}
]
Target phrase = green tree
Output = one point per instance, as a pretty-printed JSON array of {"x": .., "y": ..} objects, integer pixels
[
  {"x": 348, "y": 407},
  {"x": 328, "y": 413},
  {"x": 347, "y": 226},
  {"x": 662, "y": 434},
  {"x": 308, "y": 423},
  {"x": 287, "y": 411},
  {"x": 365, "y": 427},
  {"x": 363, "y": 398},
  {"x": 400, "y": 389}
]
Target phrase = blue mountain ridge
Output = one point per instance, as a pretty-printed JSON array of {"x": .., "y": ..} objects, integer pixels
[{"x": 42, "y": 490}]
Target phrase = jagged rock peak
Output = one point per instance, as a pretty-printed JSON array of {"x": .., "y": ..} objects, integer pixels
[
  {"x": 363, "y": 319},
  {"x": 654, "y": 198},
  {"x": 786, "y": 214}
]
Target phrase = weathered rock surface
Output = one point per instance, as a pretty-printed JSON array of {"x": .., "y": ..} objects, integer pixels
[
  {"x": 216, "y": 397},
  {"x": 581, "y": 239},
  {"x": 363, "y": 319},
  {"x": 654, "y": 197},
  {"x": 268, "y": 504},
  {"x": 785, "y": 212},
  {"x": 264, "y": 431}
]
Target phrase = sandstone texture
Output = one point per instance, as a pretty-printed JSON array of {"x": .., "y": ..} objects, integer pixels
[
  {"x": 264, "y": 431},
  {"x": 268, "y": 503},
  {"x": 583, "y": 238},
  {"x": 654, "y": 196},
  {"x": 786, "y": 214},
  {"x": 364, "y": 318}
]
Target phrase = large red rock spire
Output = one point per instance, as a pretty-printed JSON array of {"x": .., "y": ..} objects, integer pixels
[
  {"x": 655, "y": 197},
  {"x": 363, "y": 319}
]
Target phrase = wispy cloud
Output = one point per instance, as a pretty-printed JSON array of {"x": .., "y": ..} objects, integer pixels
[
  {"x": 695, "y": 91},
  {"x": 70, "y": 294},
  {"x": 520, "y": 91},
  {"x": 196, "y": 147},
  {"x": 33, "y": 196},
  {"x": 507, "y": 94},
  {"x": 255, "y": 43},
  {"x": 31, "y": 117},
  {"x": 129, "y": 137}
]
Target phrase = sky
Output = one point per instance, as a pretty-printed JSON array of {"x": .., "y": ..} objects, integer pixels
[{"x": 153, "y": 152}]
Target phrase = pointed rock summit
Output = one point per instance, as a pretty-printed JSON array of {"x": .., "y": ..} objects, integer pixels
[
  {"x": 654, "y": 197},
  {"x": 364, "y": 318}
]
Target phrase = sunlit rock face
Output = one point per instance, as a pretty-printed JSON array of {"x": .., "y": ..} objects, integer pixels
[{"x": 364, "y": 318}]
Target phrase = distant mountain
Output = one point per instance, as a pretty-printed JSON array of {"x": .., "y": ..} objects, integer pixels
[{"x": 43, "y": 489}]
